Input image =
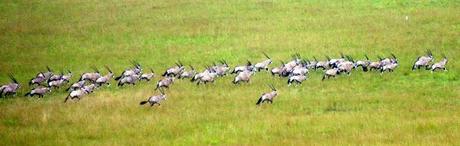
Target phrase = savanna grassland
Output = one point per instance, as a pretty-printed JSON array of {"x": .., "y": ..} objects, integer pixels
[{"x": 400, "y": 108}]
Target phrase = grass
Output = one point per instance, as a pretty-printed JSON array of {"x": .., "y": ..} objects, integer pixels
[{"x": 399, "y": 108}]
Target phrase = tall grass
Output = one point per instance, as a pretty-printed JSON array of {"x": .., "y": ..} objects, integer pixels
[{"x": 403, "y": 107}]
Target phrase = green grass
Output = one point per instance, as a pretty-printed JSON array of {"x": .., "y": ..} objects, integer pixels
[{"x": 399, "y": 108}]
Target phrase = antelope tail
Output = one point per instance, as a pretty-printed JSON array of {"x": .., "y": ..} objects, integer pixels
[
  {"x": 259, "y": 101},
  {"x": 164, "y": 74},
  {"x": 27, "y": 94},
  {"x": 67, "y": 98},
  {"x": 324, "y": 77},
  {"x": 143, "y": 102},
  {"x": 118, "y": 78}
]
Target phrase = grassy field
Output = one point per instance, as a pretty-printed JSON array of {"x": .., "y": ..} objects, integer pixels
[{"x": 399, "y": 108}]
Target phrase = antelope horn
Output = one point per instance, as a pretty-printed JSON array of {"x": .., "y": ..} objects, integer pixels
[
  {"x": 366, "y": 56},
  {"x": 272, "y": 87},
  {"x": 12, "y": 78},
  {"x": 393, "y": 55},
  {"x": 265, "y": 54},
  {"x": 444, "y": 55},
  {"x": 108, "y": 68},
  {"x": 49, "y": 69},
  {"x": 429, "y": 52}
]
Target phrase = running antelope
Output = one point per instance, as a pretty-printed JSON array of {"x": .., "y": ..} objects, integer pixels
[
  {"x": 175, "y": 70},
  {"x": 264, "y": 64},
  {"x": 244, "y": 76},
  {"x": 105, "y": 79},
  {"x": 156, "y": 99},
  {"x": 297, "y": 79},
  {"x": 440, "y": 65},
  {"x": 11, "y": 88},
  {"x": 330, "y": 73},
  {"x": 269, "y": 96},
  {"x": 165, "y": 82},
  {"x": 148, "y": 76},
  {"x": 364, "y": 64},
  {"x": 188, "y": 74},
  {"x": 77, "y": 94},
  {"x": 423, "y": 61},
  {"x": 39, "y": 91}
]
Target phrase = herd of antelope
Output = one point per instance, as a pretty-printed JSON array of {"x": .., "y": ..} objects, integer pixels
[{"x": 296, "y": 71}]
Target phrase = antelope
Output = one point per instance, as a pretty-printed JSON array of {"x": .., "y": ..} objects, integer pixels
[
  {"x": 76, "y": 85},
  {"x": 89, "y": 88},
  {"x": 335, "y": 62},
  {"x": 174, "y": 71},
  {"x": 39, "y": 91},
  {"x": 391, "y": 66},
  {"x": 300, "y": 69},
  {"x": 137, "y": 70},
  {"x": 105, "y": 79},
  {"x": 440, "y": 65},
  {"x": 331, "y": 73},
  {"x": 128, "y": 80},
  {"x": 277, "y": 70},
  {"x": 269, "y": 96},
  {"x": 346, "y": 66},
  {"x": 288, "y": 67},
  {"x": 188, "y": 74},
  {"x": 91, "y": 76},
  {"x": 375, "y": 64},
  {"x": 264, "y": 64},
  {"x": 39, "y": 79},
  {"x": 423, "y": 61},
  {"x": 11, "y": 88},
  {"x": 296, "y": 78},
  {"x": 388, "y": 61},
  {"x": 221, "y": 70},
  {"x": 77, "y": 94},
  {"x": 239, "y": 69},
  {"x": 322, "y": 64},
  {"x": 48, "y": 74},
  {"x": 165, "y": 82},
  {"x": 364, "y": 64},
  {"x": 244, "y": 76},
  {"x": 67, "y": 76},
  {"x": 156, "y": 99},
  {"x": 205, "y": 77},
  {"x": 56, "y": 83},
  {"x": 312, "y": 64},
  {"x": 148, "y": 76},
  {"x": 56, "y": 77}
]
